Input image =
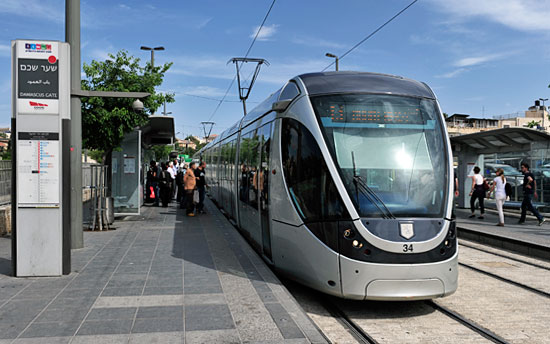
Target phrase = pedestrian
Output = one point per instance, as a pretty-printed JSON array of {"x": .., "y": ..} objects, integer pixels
[
  {"x": 172, "y": 172},
  {"x": 152, "y": 183},
  {"x": 201, "y": 185},
  {"x": 179, "y": 184},
  {"x": 190, "y": 182},
  {"x": 478, "y": 192},
  {"x": 498, "y": 186},
  {"x": 164, "y": 182},
  {"x": 529, "y": 190}
]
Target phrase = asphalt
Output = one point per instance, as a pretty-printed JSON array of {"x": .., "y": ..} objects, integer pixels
[{"x": 161, "y": 277}]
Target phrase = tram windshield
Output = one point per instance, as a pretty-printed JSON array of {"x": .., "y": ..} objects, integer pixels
[{"x": 390, "y": 151}]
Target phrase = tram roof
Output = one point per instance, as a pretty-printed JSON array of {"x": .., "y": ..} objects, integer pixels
[{"x": 364, "y": 82}]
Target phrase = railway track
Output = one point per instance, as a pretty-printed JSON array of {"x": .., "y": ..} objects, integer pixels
[{"x": 422, "y": 321}]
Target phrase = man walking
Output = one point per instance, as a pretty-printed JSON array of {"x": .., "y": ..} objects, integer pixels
[
  {"x": 201, "y": 185},
  {"x": 529, "y": 190}
]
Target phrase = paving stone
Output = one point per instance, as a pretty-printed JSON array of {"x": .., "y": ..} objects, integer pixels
[
  {"x": 62, "y": 315},
  {"x": 163, "y": 290},
  {"x": 157, "y": 338},
  {"x": 214, "y": 336},
  {"x": 10, "y": 330},
  {"x": 158, "y": 325},
  {"x": 51, "y": 340},
  {"x": 103, "y": 339},
  {"x": 203, "y": 289},
  {"x": 160, "y": 312},
  {"x": 51, "y": 329},
  {"x": 112, "y": 313},
  {"x": 121, "y": 292},
  {"x": 98, "y": 327},
  {"x": 284, "y": 322},
  {"x": 208, "y": 317}
]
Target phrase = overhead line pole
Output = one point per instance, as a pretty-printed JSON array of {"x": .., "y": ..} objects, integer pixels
[{"x": 72, "y": 36}]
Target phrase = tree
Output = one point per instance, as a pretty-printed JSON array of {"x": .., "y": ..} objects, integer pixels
[
  {"x": 105, "y": 121},
  {"x": 533, "y": 124}
]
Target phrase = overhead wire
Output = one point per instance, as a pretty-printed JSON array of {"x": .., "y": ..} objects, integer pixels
[
  {"x": 246, "y": 55},
  {"x": 371, "y": 34}
]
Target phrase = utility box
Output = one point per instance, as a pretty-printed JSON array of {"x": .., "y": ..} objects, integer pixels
[{"x": 40, "y": 106}]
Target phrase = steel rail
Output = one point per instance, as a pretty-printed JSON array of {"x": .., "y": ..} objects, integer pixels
[
  {"x": 504, "y": 279},
  {"x": 507, "y": 257},
  {"x": 355, "y": 330},
  {"x": 468, "y": 323}
]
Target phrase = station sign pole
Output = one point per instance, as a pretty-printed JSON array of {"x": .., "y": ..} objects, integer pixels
[{"x": 40, "y": 134}]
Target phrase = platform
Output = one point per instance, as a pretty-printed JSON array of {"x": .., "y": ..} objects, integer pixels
[
  {"x": 527, "y": 238},
  {"x": 161, "y": 277}
]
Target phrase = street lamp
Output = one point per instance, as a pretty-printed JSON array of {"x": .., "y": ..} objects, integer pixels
[
  {"x": 152, "y": 53},
  {"x": 333, "y": 56},
  {"x": 543, "y": 100}
]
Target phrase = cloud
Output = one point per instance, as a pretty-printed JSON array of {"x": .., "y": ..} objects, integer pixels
[
  {"x": 47, "y": 9},
  {"x": 202, "y": 91},
  {"x": 317, "y": 42},
  {"x": 452, "y": 74},
  {"x": 522, "y": 15},
  {"x": 265, "y": 33},
  {"x": 477, "y": 60},
  {"x": 204, "y": 22},
  {"x": 216, "y": 67}
]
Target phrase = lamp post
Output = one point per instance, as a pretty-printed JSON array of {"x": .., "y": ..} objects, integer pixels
[
  {"x": 333, "y": 56},
  {"x": 152, "y": 53},
  {"x": 543, "y": 100}
]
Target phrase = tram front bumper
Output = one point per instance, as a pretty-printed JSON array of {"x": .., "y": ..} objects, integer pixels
[{"x": 370, "y": 281}]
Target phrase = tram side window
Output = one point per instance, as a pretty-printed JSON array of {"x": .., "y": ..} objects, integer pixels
[
  {"x": 309, "y": 182},
  {"x": 243, "y": 168}
]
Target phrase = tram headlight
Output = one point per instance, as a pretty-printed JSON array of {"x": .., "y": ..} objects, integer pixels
[
  {"x": 357, "y": 244},
  {"x": 348, "y": 233}
]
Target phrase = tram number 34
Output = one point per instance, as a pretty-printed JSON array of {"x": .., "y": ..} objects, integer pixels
[{"x": 408, "y": 248}]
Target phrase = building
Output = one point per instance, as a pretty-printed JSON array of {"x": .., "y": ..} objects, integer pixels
[
  {"x": 461, "y": 124},
  {"x": 536, "y": 113}
]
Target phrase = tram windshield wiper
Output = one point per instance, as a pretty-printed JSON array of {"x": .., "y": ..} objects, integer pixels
[{"x": 362, "y": 187}]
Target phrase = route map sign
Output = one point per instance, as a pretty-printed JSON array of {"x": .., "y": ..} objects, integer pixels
[{"x": 38, "y": 169}]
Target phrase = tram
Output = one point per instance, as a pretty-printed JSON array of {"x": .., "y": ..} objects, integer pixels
[{"x": 342, "y": 181}]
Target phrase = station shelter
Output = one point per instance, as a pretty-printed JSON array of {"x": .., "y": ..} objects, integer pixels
[
  {"x": 505, "y": 148},
  {"x": 129, "y": 164}
]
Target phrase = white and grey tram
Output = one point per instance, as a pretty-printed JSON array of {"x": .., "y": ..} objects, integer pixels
[{"x": 342, "y": 181}]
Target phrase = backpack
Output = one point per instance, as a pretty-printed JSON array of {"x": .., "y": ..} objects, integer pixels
[{"x": 508, "y": 189}]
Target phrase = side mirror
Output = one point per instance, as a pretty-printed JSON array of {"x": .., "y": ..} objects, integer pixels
[{"x": 281, "y": 105}]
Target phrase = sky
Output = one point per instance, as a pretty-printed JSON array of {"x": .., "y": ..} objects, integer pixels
[{"x": 484, "y": 58}]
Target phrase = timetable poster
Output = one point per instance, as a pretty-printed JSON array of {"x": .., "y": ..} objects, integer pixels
[{"x": 38, "y": 169}]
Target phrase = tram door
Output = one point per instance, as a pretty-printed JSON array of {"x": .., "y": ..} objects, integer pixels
[{"x": 263, "y": 186}]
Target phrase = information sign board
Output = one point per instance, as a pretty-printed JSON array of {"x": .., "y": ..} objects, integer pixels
[{"x": 38, "y": 168}]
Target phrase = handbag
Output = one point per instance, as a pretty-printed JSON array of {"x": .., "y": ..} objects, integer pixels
[
  {"x": 196, "y": 198},
  {"x": 486, "y": 186}
]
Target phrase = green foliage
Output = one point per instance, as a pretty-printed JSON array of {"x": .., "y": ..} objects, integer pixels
[
  {"x": 105, "y": 121},
  {"x": 97, "y": 155},
  {"x": 162, "y": 152},
  {"x": 6, "y": 155},
  {"x": 533, "y": 124}
]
